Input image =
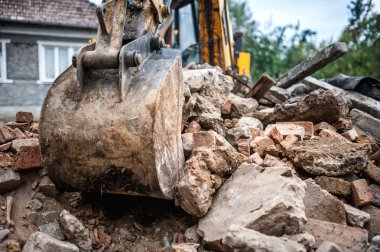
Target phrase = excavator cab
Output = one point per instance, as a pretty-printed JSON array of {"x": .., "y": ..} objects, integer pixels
[{"x": 112, "y": 121}]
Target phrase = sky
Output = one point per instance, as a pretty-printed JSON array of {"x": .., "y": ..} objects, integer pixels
[{"x": 326, "y": 17}]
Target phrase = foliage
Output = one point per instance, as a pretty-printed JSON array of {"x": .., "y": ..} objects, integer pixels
[{"x": 277, "y": 51}]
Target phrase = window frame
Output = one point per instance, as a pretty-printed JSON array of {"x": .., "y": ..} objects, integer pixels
[
  {"x": 3, "y": 59},
  {"x": 56, "y": 45}
]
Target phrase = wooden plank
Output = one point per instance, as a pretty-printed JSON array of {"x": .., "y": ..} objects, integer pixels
[
  {"x": 261, "y": 87},
  {"x": 312, "y": 64}
]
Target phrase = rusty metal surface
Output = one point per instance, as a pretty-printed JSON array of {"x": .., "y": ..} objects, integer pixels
[{"x": 115, "y": 130}]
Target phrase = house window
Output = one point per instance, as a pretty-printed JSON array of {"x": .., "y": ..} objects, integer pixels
[
  {"x": 54, "y": 58},
  {"x": 3, "y": 61}
]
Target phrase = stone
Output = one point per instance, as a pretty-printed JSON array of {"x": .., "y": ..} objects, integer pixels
[
  {"x": 255, "y": 157},
  {"x": 374, "y": 220},
  {"x": 35, "y": 205},
  {"x": 5, "y": 147},
  {"x": 347, "y": 238},
  {"x": 271, "y": 161},
  {"x": 9, "y": 180},
  {"x": 243, "y": 239},
  {"x": 24, "y": 127},
  {"x": 41, "y": 242},
  {"x": 18, "y": 134},
  {"x": 185, "y": 247},
  {"x": 361, "y": 193},
  {"x": 191, "y": 235},
  {"x": 53, "y": 229},
  {"x": 4, "y": 233},
  {"x": 307, "y": 126},
  {"x": 336, "y": 186},
  {"x": 286, "y": 130},
  {"x": 321, "y": 205},
  {"x": 6, "y": 160},
  {"x": 34, "y": 128},
  {"x": 373, "y": 172},
  {"x": 193, "y": 127},
  {"x": 306, "y": 239},
  {"x": 249, "y": 122},
  {"x": 343, "y": 124},
  {"x": 350, "y": 135},
  {"x": 237, "y": 106},
  {"x": 5, "y": 134},
  {"x": 375, "y": 244},
  {"x": 247, "y": 132},
  {"x": 243, "y": 147},
  {"x": 229, "y": 123},
  {"x": 75, "y": 231},
  {"x": 211, "y": 89},
  {"x": 27, "y": 153},
  {"x": 254, "y": 206},
  {"x": 376, "y": 194},
  {"x": 356, "y": 217},
  {"x": 24, "y": 117},
  {"x": 47, "y": 187},
  {"x": 318, "y": 106},
  {"x": 321, "y": 126},
  {"x": 202, "y": 174},
  {"x": 288, "y": 141},
  {"x": 328, "y": 247},
  {"x": 46, "y": 217},
  {"x": 328, "y": 156}
]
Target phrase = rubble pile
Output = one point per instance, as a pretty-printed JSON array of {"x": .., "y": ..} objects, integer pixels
[{"x": 299, "y": 176}]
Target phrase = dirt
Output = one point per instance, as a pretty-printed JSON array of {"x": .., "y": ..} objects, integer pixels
[{"x": 133, "y": 223}]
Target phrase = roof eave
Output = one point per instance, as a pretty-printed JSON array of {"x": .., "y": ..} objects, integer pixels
[{"x": 50, "y": 24}]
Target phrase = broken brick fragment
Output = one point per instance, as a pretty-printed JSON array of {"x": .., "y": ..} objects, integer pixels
[
  {"x": 6, "y": 160},
  {"x": 276, "y": 135},
  {"x": 271, "y": 161},
  {"x": 5, "y": 134},
  {"x": 27, "y": 153},
  {"x": 287, "y": 129},
  {"x": 350, "y": 135},
  {"x": 244, "y": 147},
  {"x": 24, "y": 117},
  {"x": 255, "y": 157},
  {"x": 21, "y": 126},
  {"x": 373, "y": 172},
  {"x": 306, "y": 125},
  {"x": 321, "y": 126},
  {"x": 362, "y": 193},
  {"x": 5, "y": 146},
  {"x": 288, "y": 141}
]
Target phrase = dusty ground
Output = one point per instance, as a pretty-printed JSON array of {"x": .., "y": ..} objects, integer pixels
[{"x": 133, "y": 223}]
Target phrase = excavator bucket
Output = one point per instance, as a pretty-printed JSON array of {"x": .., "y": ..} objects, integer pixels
[{"x": 112, "y": 122}]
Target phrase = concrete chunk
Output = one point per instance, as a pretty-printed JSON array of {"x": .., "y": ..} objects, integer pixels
[
  {"x": 254, "y": 205},
  {"x": 321, "y": 205},
  {"x": 356, "y": 217},
  {"x": 328, "y": 156},
  {"x": 41, "y": 242},
  {"x": 244, "y": 239}
]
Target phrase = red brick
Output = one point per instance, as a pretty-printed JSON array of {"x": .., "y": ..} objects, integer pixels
[
  {"x": 288, "y": 141},
  {"x": 193, "y": 127},
  {"x": 373, "y": 172},
  {"x": 306, "y": 125},
  {"x": 5, "y": 146},
  {"x": 255, "y": 132},
  {"x": 350, "y": 135},
  {"x": 276, "y": 136},
  {"x": 262, "y": 145},
  {"x": 361, "y": 192},
  {"x": 347, "y": 238},
  {"x": 24, "y": 117},
  {"x": 6, "y": 160},
  {"x": 5, "y": 134},
  {"x": 27, "y": 153}
]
